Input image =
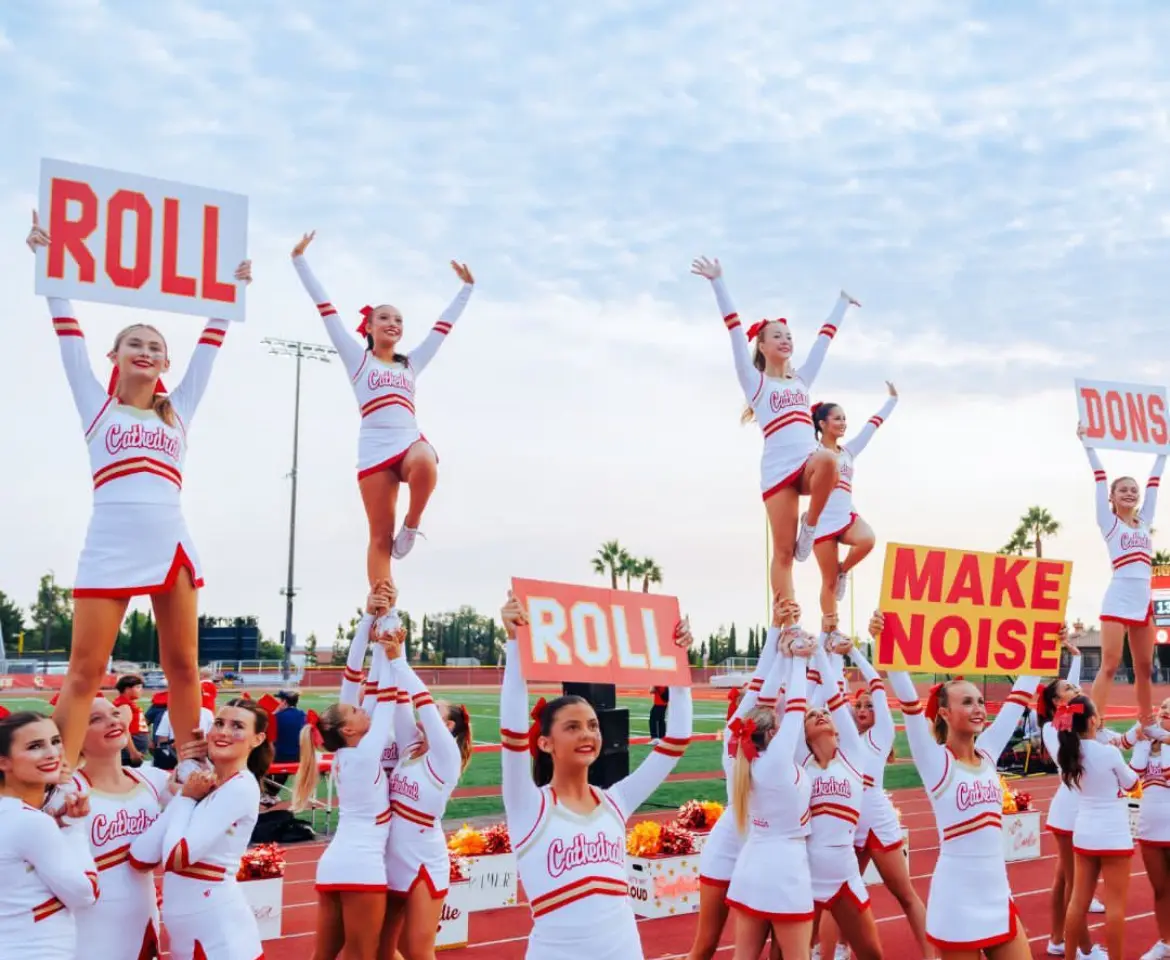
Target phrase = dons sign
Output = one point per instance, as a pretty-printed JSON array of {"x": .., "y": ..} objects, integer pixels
[
  {"x": 1123, "y": 416},
  {"x": 140, "y": 242}
]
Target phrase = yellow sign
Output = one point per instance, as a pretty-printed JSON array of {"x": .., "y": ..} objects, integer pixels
[{"x": 960, "y": 611}]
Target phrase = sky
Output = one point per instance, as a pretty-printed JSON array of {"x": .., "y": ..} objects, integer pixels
[{"x": 989, "y": 179}]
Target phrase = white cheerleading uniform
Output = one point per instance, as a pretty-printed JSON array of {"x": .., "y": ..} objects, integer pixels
[
  {"x": 200, "y": 845},
  {"x": 971, "y": 872},
  {"x": 356, "y": 688},
  {"x": 771, "y": 879},
  {"x": 1131, "y": 549},
  {"x": 137, "y": 540},
  {"x": 838, "y": 515},
  {"x": 878, "y": 828},
  {"x": 1154, "y": 817},
  {"x": 721, "y": 851},
  {"x": 123, "y": 924},
  {"x": 49, "y": 877},
  {"x": 573, "y": 866},
  {"x": 354, "y": 860},
  {"x": 1102, "y": 823},
  {"x": 419, "y": 790},
  {"x": 1062, "y": 811},
  {"x": 781, "y": 407},
  {"x": 384, "y": 391}
]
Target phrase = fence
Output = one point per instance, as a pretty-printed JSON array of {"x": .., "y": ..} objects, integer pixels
[{"x": 249, "y": 673}]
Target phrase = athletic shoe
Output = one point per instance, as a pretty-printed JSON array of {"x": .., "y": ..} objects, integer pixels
[
  {"x": 1159, "y": 951},
  {"x": 816, "y": 953},
  {"x": 404, "y": 542},
  {"x": 842, "y": 585},
  {"x": 842, "y": 952},
  {"x": 1055, "y": 949},
  {"x": 804, "y": 540},
  {"x": 1096, "y": 906},
  {"x": 1097, "y": 953}
]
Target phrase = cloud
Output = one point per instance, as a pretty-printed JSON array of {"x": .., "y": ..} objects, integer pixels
[{"x": 991, "y": 185}]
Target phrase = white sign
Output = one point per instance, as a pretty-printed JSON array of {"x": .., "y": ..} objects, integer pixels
[
  {"x": 663, "y": 886},
  {"x": 265, "y": 899},
  {"x": 491, "y": 882},
  {"x": 1021, "y": 836},
  {"x": 140, "y": 242},
  {"x": 1123, "y": 416},
  {"x": 453, "y": 918}
]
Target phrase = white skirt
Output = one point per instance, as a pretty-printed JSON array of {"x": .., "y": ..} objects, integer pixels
[
  {"x": 1154, "y": 817},
  {"x": 1102, "y": 829},
  {"x": 970, "y": 905},
  {"x": 1127, "y": 599},
  {"x": 718, "y": 857},
  {"x": 772, "y": 880},
  {"x": 782, "y": 467},
  {"x": 1062, "y": 812},
  {"x": 413, "y": 857},
  {"x": 119, "y": 929},
  {"x": 133, "y": 549},
  {"x": 877, "y": 827},
  {"x": 355, "y": 860},
  {"x": 384, "y": 448},
  {"x": 835, "y": 873},
  {"x": 226, "y": 932}
]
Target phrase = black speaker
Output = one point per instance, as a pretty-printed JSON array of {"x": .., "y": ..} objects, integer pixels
[
  {"x": 615, "y": 729},
  {"x": 609, "y": 768},
  {"x": 603, "y": 696}
]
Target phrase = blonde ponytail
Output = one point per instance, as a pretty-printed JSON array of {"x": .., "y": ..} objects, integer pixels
[
  {"x": 741, "y": 790},
  {"x": 308, "y": 775},
  {"x": 164, "y": 408}
]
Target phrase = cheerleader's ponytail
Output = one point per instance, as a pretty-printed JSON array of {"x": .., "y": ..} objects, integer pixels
[
  {"x": 1072, "y": 722},
  {"x": 308, "y": 776},
  {"x": 460, "y": 721},
  {"x": 747, "y": 738}
]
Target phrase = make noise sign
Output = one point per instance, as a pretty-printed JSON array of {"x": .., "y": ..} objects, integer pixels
[
  {"x": 136, "y": 241},
  {"x": 592, "y": 635}
]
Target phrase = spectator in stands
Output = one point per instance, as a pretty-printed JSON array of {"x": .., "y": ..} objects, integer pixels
[
  {"x": 290, "y": 718},
  {"x": 208, "y": 690},
  {"x": 658, "y": 713},
  {"x": 129, "y": 691}
]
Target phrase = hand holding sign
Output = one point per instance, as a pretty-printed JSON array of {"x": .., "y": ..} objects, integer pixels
[
  {"x": 1122, "y": 416},
  {"x": 37, "y": 236}
]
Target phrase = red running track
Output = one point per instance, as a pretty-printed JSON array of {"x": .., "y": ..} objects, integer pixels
[{"x": 502, "y": 934}]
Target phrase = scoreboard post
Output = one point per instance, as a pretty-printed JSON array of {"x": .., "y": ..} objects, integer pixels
[{"x": 1160, "y": 595}]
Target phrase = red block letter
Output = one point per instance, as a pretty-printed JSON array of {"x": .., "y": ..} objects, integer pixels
[
  {"x": 938, "y": 642},
  {"x": 70, "y": 235},
  {"x": 1005, "y": 579},
  {"x": 1115, "y": 415},
  {"x": 120, "y": 204},
  {"x": 213, "y": 288},
  {"x": 1045, "y": 647},
  {"x": 896, "y": 639},
  {"x": 1094, "y": 412},
  {"x": 173, "y": 281},
  {"x": 909, "y": 580},
  {"x": 1011, "y": 652},
  {"x": 968, "y": 583},
  {"x": 1158, "y": 427},
  {"x": 1046, "y": 586},
  {"x": 1136, "y": 409}
]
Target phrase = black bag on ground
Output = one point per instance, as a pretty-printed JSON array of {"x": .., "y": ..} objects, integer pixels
[{"x": 280, "y": 826}]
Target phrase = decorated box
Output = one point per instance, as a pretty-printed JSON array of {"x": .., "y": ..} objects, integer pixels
[
  {"x": 663, "y": 886},
  {"x": 453, "y": 920},
  {"x": 491, "y": 881},
  {"x": 261, "y": 880},
  {"x": 1021, "y": 836},
  {"x": 1135, "y": 811},
  {"x": 871, "y": 875}
]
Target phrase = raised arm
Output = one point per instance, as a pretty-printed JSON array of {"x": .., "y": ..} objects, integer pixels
[
  {"x": 382, "y": 717},
  {"x": 89, "y": 396},
  {"x": 1139, "y": 760},
  {"x": 1074, "y": 670},
  {"x": 858, "y": 443},
  {"x": 751, "y": 696},
  {"x": 632, "y": 791},
  {"x": 881, "y": 735},
  {"x": 373, "y": 679},
  {"x": 60, "y": 856},
  {"x": 1127, "y": 777},
  {"x": 522, "y": 798},
  {"x": 1150, "y": 503},
  {"x": 425, "y": 352},
  {"x": 234, "y": 801},
  {"x": 1106, "y": 519},
  {"x": 750, "y": 379},
  {"x": 816, "y": 356},
  {"x": 442, "y": 750},
  {"x": 781, "y": 751},
  {"x": 929, "y": 756},
  {"x": 351, "y": 680},
  {"x": 996, "y": 737},
  {"x": 351, "y": 351}
]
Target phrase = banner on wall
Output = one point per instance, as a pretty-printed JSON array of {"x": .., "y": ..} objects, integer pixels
[
  {"x": 135, "y": 241},
  {"x": 1123, "y": 416},
  {"x": 963, "y": 611}
]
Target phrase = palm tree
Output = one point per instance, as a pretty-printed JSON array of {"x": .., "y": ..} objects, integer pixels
[
  {"x": 1161, "y": 558},
  {"x": 650, "y": 572},
  {"x": 631, "y": 569},
  {"x": 610, "y": 560},
  {"x": 1035, "y": 525}
]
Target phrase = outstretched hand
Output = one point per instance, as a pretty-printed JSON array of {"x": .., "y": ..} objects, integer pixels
[
  {"x": 1081, "y": 432},
  {"x": 877, "y": 623},
  {"x": 893, "y": 390},
  {"x": 301, "y": 247},
  {"x": 1067, "y": 641},
  {"x": 682, "y": 634},
  {"x": 37, "y": 237},
  {"x": 244, "y": 271},
  {"x": 853, "y": 301},
  {"x": 513, "y": 616},
  {"x": 711, "y": 269},
  {"x": 463, "y": 272}
]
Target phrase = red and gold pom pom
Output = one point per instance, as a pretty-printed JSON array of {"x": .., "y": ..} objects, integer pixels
[{"x": 262, "y": 862}]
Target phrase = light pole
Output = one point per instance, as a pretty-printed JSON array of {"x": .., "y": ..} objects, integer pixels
[{"x": 301, "y": 351}]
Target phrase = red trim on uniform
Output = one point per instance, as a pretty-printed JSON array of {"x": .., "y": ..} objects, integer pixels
[
  {"x": 789, "y": 480},
  {"x": 843, "y": 891},
  {"x": 874, "y": 843},
  {"x": 1102, "y": 853},
  {"x": 350, "y": 887},
  {"x": 393, "y": 463},
  {"x": 423, "y": 876},
  {"x": 1160, "y": 844},
  {"x": 782, "y": 917},
  {"x": 139, "y": 865},
  {"x": 180, "y": 562},
  {"x": 149, "y": 949},
  {"x": 985, "y": 944},
  {"x": 837, "y": 533},
  {"x": 539, "y": 817},
  {"x": 1057, "y": 831},
  {"x": 1128, "y": 623},
  {"x": 712, "y": 882}
]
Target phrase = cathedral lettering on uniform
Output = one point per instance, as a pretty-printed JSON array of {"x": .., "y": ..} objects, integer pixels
[
  {"x": 784, "y": 399},
  {"x": 404, "y": 786},
  {"x": 103, "y": 829},
  {"x": 390, "y": 378},
  {"x": 581, "y": 851},
  {"x": 1137, "y": 540},
  {"x": 968, "y": 795},
  {"x": 831, "y": 787},
  {"x": 158, "y": 439}
]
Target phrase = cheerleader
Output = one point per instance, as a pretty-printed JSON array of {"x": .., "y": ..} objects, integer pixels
[
  {"x": 137, "y": 541},
  {"x": 958, "y": 762},
  {"x": 433, "y": 754},
  {"x": 123, "y": 803},
  {"x": 201, "y": 838},
  {"x": 50, "y": 874},
  {"x": 1154, "y": 829},
  {"x": 1126, "y": 608},
  {"x": 777, "y": 397},
  {"x": 839, "y": 521},
  {"x": 720, "y": 852},
  {"x": 351, "y": 874},
  {"x": 1102, "y": 843},
  {"x": 391, "y": 450},
  {"x": 571, "y": 850}
]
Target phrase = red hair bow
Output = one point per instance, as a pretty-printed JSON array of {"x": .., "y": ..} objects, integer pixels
[
  {"x": 112, "y": 388},
  {"x": 363, "y": 328},
  {"x": 4, "y": 712},
  {"x": 314, "y": 722},
  {"x": 742, "y": 732},
  {"x": 268, "y": 703},
  {"x": 1041, "y": 705},
  {"x": 732, "y": 701},
  {"x": 466, "y": 716},
  {"x": 754, "y": 330},
  {"x": 534, "y": 730},
  {"x": 1064, "y": 716}
]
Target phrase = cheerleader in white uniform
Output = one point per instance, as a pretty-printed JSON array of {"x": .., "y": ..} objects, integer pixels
[
  {"x": 570, "y": 837},
  {"x": 123, "y": 803},
  {"x": 202, "y": 836},
  {"x": 1154, "y": 828},
  {"x": 777, "y": 397},
  {"x": 839, "y": 523},
  {"x": 351, "y": 874},
  {"x": 433, "y": 755},
  {"x": 720, "y": 852},
  {"x": 1126, "y": 608},
  {"x": 1102, "y": 843},
  {"x": 50, "y": 874},
  {"x": 137, "y": 541},
  {"x": 391, "y": 449},
  {"x": 957, "y": 762}
]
